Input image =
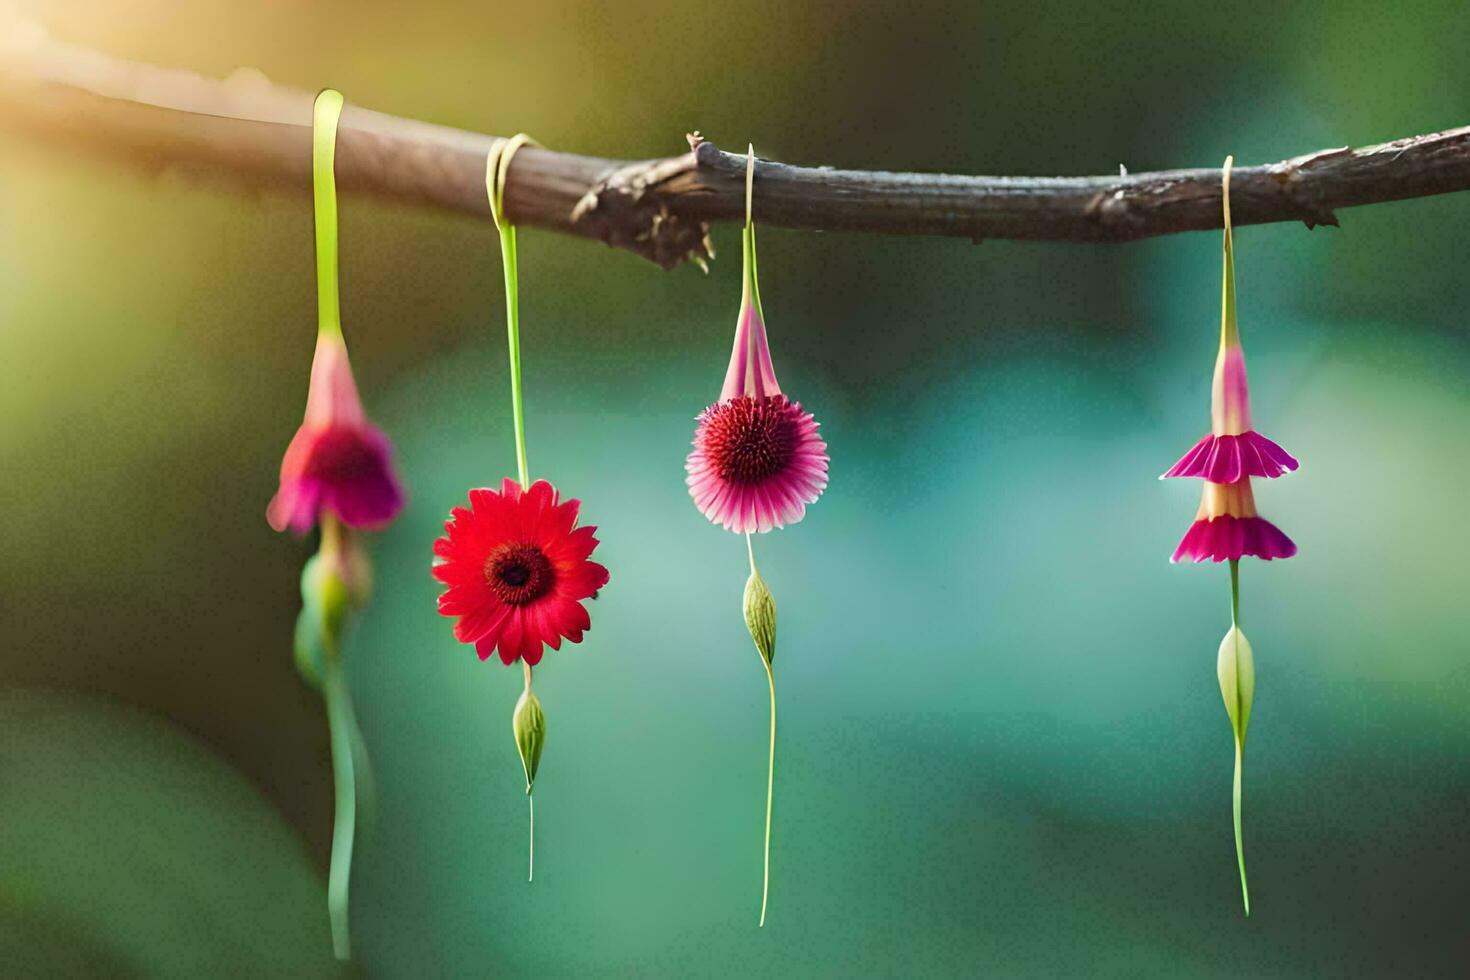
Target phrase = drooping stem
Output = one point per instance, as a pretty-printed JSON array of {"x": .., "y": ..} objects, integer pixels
[
  {"x": 513, "y": 343},
  {"x": 1245, "y": 892},
  {"x": 325, "y": 115},
  {"x": 1229, "y": 325},
  {"x": 770, "y": 794},
  {"x": 1235, "y": 794},
  {"x": 339, "y": 724},
  {"x": 497, "y": 168},
  {"x": 530, "y": 803},
  {"x": 751, "y": 279},
  {"x": 771, "y": 768}
]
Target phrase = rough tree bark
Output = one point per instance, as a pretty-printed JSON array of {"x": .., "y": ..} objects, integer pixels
[{"x": 245, "y": 129}]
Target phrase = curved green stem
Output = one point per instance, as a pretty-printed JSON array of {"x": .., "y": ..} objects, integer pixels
[
  {"x": 366, "y": 787},
  {"x": 325, "y": 115},
  {"x": 1245, "y": 892},
  {"x": 339, "y": 722}
]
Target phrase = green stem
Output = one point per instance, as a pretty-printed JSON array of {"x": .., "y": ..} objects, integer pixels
[
  {"x": 751, "y": 285},
  {"x": 530, "y": 799},
  {"x": 1235, "y": 592},
  {"x": 339, "y": 722},
  {"x": 325, "y": 115},
  {"x": 771, "y": 769},
  {"x": 513, "y": 340},
  {"x": 770, "y": 794},
  {"x": 1239, "y": 744},
  {"x": 1245, "y": 892}
]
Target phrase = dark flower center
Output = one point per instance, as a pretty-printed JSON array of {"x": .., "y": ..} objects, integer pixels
[
  {"x": 342, "y": 455},
  {"x": 519, "y": 573},
  {"x": 748, "y": 439}
]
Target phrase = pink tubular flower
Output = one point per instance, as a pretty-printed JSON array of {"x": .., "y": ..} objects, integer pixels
[
  {"x": 1233, "y": 450},
  {"x": 1227, "y": 527},
  {"x": 337, "y": 461},
  {"x": 758, "y": 460},
  {"x": 517, "y": 571}
]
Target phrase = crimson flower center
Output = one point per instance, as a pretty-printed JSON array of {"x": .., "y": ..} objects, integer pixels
[
  {"x": 748, "y": 439},
  {"x": 341, "y": 455},
  {"x": 519, "y": 573}
]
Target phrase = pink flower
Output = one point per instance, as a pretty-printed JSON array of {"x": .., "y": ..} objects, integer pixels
[
  {"x": 1227, "y": 527},
  {"x": 1232, "y": 450},
  {"x": 337, "y": 462},
  {"x": 758, "y": 460}
]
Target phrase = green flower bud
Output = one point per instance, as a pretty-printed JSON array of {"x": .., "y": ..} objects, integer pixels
[
  {"x": 1236, "y": 668},
  {"x": 760, "y": 615},
  {"x": 335, "y": 581},
  {"x": 529, "y": 725}
]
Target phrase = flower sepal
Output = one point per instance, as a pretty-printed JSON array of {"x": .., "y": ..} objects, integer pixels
[
  {"x": 528, "y": 724},
  {"x": 1236, "y": 669},
  {"x": 760, "y": 616},
  {"x": 335, "y": 582}
]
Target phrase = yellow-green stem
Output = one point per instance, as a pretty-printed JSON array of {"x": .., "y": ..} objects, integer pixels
[
  {"x": 1229, "y": 327},
  {"x": 513, "y": 342},
  {"x": 325, "y": 115}
]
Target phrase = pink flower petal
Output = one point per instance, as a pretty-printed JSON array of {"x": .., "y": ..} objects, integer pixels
[
  {"x": 1229, "y": 459},
  {"x": 1228, "y": 538}
]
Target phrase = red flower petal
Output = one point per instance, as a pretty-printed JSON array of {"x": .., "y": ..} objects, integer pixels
[{"x": 516, "y": 569}]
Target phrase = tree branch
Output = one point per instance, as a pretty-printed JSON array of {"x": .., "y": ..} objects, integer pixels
[{"x": 245, "y": 129}]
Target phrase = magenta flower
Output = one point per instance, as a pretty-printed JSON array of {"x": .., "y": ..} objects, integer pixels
[
  {"x": 757, "y": 463},
  {"x": 337, "y": 462},
  {"x": 1233, "y": 450},
  {"x": 758, "y": 459},
  {"x": 1227, "y": 527}
]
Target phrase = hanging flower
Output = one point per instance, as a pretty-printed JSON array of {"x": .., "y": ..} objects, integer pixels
[
  {"x": 1227, "y": 527},
  {"x": 337, "y": 474},
  {"x": 517, "y": 571},
  {"x": 757, "y": 463},
  {"x": 514, "y": 562},
  {"x": 337, "y": 461},
  {"x": 758, "y": 460}
]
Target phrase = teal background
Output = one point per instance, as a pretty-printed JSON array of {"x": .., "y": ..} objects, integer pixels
[{"x": 1002, "y": 749}]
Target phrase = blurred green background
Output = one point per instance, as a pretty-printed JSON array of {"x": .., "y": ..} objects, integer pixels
[{"x": 1002, "y": 748}]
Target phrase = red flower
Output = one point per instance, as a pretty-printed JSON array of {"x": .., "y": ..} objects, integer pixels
[
  {"x": 337, "y": 461},
  {"x": 517, "y": 571}
]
